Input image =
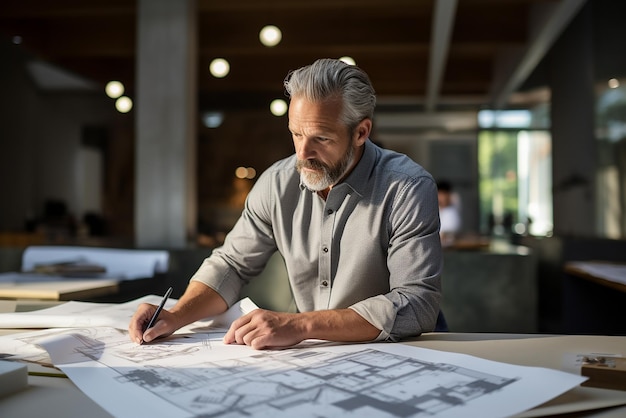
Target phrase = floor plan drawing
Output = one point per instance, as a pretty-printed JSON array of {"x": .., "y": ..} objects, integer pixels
[
  {"x": 295, "y": 383},
  {"x": 192, "y": 373},
  {"x": 184, "y": 373}
]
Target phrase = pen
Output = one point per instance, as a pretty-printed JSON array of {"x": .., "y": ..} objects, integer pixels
[
  {"x": 47, "y": 374},
  {"x": 158, "y": 310}
]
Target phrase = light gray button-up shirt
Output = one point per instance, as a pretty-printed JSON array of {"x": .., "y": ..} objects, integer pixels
[{"x": 372, "y": 245}]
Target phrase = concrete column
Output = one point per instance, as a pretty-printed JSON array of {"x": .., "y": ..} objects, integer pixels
[
  {"x": 573, "y": 139},
  {"x": 166, "y": 105}
]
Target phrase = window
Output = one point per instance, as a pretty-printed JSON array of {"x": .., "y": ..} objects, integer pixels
[
  {"x": 515, "y": 175},
  {"x": 611, "y": 145}
]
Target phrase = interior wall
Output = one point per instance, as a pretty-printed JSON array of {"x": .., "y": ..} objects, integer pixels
[{"x": 19, "y": 103}]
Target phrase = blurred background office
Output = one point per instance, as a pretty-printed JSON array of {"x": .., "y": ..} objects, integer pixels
[{"x": 144, "y": 123}]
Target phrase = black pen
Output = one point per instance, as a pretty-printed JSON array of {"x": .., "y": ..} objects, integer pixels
[{"x": 158, "y": 311}]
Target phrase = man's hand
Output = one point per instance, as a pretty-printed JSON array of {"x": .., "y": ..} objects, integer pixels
[
  {"x": 199, "y": 301},
  {"x": 164, "y": 326},
  {"x": 261, "y": 329}
]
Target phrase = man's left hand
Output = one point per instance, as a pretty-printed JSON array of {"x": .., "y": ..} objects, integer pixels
[{"x": 263, "y": 329}]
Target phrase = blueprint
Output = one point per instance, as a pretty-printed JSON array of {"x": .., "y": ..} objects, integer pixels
[
  {"x": 192, "y": 373},
  {"x": 197, "y": 375}
]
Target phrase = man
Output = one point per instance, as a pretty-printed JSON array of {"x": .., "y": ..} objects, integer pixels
[
  {"x": 450, "y": 219},
  {"x": 357, "y": 225}
]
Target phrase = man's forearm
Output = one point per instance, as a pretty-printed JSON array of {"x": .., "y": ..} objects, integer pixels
[
  {"x": 199, "y": 301},
  {"x": 344, "y": 325}
]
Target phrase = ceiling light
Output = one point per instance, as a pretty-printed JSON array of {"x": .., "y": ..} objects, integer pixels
[
  {"x": 348, "y": 60},
  {"x": 17, "y": 39},
  {"x": 613, "y": 83},
  {"x": 124, "y": 104},
  {"x": 114, "y": 89},
  {"x": 219, "y": 68},
  {"x": 278, "y": 107},
  {"x": 270, "y": 35}
]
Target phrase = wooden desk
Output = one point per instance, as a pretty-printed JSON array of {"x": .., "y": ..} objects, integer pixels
[{"x": 59, "y": 290}]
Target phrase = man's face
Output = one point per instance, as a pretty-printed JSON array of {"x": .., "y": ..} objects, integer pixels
[
  {"x": 323, "y": 145},
  {"x": 444, "y": 198}
]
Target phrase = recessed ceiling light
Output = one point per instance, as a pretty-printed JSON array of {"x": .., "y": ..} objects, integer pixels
[
  {"x": 124, "y": 104},
  {"x": 278, "y": 107},
  {"x": 219, "y": 68},
  {"x": 348, "y": 60},
  {"x": 114, "y": 89},
  {"x": 270, "y": 36}
]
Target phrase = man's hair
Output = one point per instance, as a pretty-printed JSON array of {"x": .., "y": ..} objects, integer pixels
[
  {"x": 329, "y": 78},
  {"x": 444, "y": 186}
]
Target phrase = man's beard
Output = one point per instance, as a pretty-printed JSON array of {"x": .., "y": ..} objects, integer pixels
[{"x": 326, "y": 176}]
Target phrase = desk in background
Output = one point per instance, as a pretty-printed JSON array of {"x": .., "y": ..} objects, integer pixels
[
  {"x": 594, "y": 296},
  {"x": 64, "y": 290},
  {"x": 126, "y": 274}
]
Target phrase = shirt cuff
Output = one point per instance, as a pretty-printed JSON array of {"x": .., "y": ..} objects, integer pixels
[{"x": 378, "y": 311}]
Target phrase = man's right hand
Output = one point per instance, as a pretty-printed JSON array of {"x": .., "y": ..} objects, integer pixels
[
  {"x": 198, "y": 302},
  {"x": 164, "y": 326}
]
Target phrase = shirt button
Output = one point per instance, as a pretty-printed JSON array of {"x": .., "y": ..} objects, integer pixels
[
  {"x": 325, "y": 249},
  {"x": 324, "y": 283}
]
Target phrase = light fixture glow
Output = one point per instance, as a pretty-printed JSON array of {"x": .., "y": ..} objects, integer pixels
[
  {"x": 17, "y": 39},
  {"x": 348, "y": 60},
  {"x": 270, "y": 35},
  {"x": 245, "y": 173},
  {"x": 241, "y": 172},
  {"x": 212, "y": 119},
  {"x": 124, "y": 104},
  {"x": 114, "y": 89},
  {"x": 613, "y": 83},
  {"x": 278, "y": 107},
  {"x": 219, "y": 68}
]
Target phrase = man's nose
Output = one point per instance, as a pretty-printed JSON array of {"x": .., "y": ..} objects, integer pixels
[{"x": 306, "y": 149}]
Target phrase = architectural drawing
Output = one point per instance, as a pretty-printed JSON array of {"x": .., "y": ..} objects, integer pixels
[
  {"x": 192, "y": 373},
  {"x": 302, "y": 382}
]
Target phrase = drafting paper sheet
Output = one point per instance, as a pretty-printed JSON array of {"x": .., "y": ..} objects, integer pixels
[
  {"x": 79, "y": 314},
  {"x": 197, "y": 375},
  {"x": 75, "y": 314},
  {"x": 85, "y": 317}
]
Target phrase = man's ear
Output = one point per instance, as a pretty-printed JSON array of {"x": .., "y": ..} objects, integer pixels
[{"x": 362, "y": 131}]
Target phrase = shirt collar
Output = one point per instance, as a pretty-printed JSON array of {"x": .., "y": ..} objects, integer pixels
[{"x": 358, "y": 178}]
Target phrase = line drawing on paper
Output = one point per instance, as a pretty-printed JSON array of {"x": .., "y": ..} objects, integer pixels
[{"x": 310, "y": 383}]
